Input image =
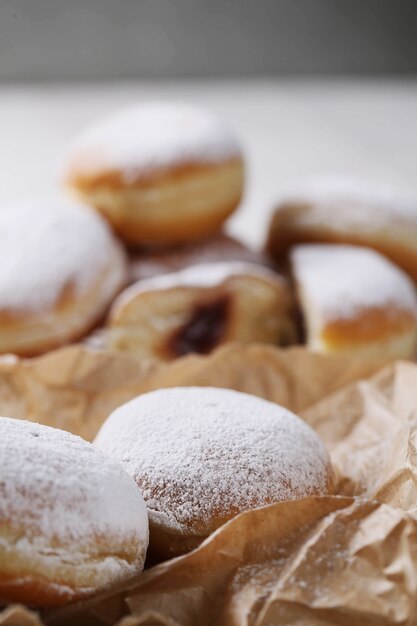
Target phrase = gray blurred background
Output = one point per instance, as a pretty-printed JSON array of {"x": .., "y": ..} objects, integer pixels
[{"x": 49, "y": 40}]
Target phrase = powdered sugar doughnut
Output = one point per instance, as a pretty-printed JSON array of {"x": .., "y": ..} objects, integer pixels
[
  {"x": 202, "y": 455},
  {"x": 340, "y": 210},
  {"x": 61, "y": 267},
  {"x": 355, "y": 300},
  {"x": 201, "y": 307},
  {"x": 160, "y": 172},
  {"x": 72, "y": 522}
]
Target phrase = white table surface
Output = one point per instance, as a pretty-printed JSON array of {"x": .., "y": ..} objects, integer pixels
[{"x": 289, "y": 130}]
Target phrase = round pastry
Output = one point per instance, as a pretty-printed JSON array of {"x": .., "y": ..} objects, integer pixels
[
  {"x": 347, "y": 211},
  {"x": 199, "y": 308},
  {"x": 61, "y": 269},
  {"x": 160, "y": 172},
  {"x": 72, "y": 522},
  {"x": 203, "y": 455},
  {"x": 147, "y": 263},
  {"x": 356, "y": 301}
]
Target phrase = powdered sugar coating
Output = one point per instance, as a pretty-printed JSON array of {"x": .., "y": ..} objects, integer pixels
[
  {"x": 363, "y": 204},
  {"x": 50, "y": 245},
  {"x": 152, "y": 135},
  {"x": 56, "y": 487},
  {"x": 204, "y": 275},
  {"x": 200, "y": 453},
  {"x": 342, "y": 280}
]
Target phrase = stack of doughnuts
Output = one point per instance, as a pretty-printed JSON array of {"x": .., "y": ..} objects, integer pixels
[
  {"x": 149, "y": 261},
  {"x": 154, "y": 185},
  {"x": 166, "y": 176},
  {"x": 143, "y": 254}
]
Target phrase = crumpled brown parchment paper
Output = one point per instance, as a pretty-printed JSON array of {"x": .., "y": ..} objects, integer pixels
[
  {"x": 348, "y": 559},
  {"x": 76, "y": 388}
]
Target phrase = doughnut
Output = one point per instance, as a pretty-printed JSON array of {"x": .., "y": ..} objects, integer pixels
[
  {"x": 354, "y": 300},
  {"x": 202, "y": 455},
  {"x": 351, "y": 212},
  {"x": 72, "y": 522},
  {"x": 159, "y": 172},
  {"x": 199, "y": 308},
  {"x": 61, "y": 269},
  {"x": 147, "y": 263}
]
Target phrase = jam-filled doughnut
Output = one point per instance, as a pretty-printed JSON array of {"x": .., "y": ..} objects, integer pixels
[
  {"x": 160, "y": 172},
  {"x": 61, "y": 268},
  {"x": 352, "y": 212},
  {"x": 199, "y": 308},
  {"x": 147, "y": 263},
  {"x": 72, "y": 522},
  {"x": 202, "y": 455},
  {"x": 354, "y": 300}
]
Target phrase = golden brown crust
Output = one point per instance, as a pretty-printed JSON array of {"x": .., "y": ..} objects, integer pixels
[
  {"x": 28, "y": 334},
  {"x": 49, "y": 577},
  {"x": 117, "y": 180},
  {"x": 354, "y": 300},
  {"x": 177, "y": 204},
  {"x": 37, "y": 592},
  {"x": 397, "y": 240},
  {"x": 371, "y": 325}
]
